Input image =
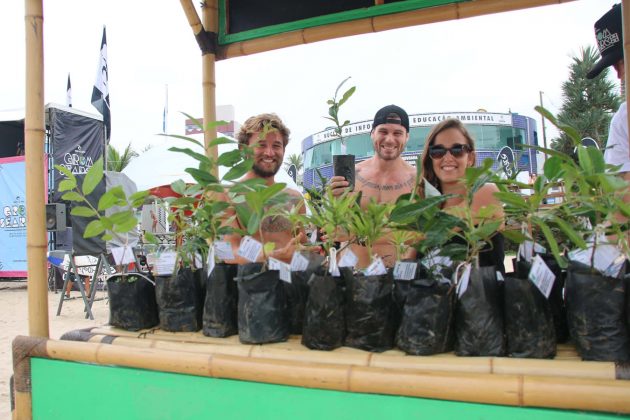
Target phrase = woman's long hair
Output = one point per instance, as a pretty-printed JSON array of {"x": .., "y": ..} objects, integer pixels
[{"x": 427, "y": 163}]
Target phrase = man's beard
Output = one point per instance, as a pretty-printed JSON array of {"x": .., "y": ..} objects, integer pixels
[
  {"x": 388, "y": 156},
  {"x": 263, "y": 173}
]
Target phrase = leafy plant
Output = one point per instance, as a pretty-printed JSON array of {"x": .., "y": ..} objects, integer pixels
[
  {"x": 119, "y": 222},
  {"x": 476, "y": 229},
  {"x": 333, "y": 111},
  {"x": 199, "y": 211},
  {"x": 368, "y": 224}
]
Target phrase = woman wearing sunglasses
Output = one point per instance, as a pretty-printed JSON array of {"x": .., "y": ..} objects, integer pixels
[{"x": 448, "y": 151}]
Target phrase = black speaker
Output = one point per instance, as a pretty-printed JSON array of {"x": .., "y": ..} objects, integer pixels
[{"x": 56, "y": 217}]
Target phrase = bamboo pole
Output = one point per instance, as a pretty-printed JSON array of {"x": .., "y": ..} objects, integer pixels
[
  {"x": 211, "y": 23},
  {"x": 34, "y": 133},
  {"x": 210, "y": 15},
  {"x": 518, "y": 390},
  {"x": 380, "y": 23},
  {"x": 567, "y": 367},
  {"x": 625, "y": 8}
]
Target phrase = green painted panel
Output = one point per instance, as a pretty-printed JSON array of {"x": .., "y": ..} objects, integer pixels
[
  {"x": 378, "y": 10},
  {"x": 69, "y": 390}
]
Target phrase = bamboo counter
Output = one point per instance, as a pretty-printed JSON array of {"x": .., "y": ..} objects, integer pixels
[{"x": 482, "y": 383}]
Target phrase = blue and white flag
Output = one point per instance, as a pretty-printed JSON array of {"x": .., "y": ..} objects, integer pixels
[
  {"x": 100, "y": 93},
  {"x": 69, "y": 93}
]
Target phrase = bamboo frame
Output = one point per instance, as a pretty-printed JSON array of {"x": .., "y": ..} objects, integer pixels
[
  {"x": 589, "y": 394},
  {"x": 504, "y": 389},
  {"x": 566, "y": 365},
  {"x": 210, "y": 21},
  {"x": 34, "y": 134},
  {"x": 379, "y": 23}
]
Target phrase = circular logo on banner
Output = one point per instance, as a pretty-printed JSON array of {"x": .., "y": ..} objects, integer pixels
[
  {"x": 506, "y": 161},
  {"x": 292, "y": 171},
  {"x": 589, "y": 142}
]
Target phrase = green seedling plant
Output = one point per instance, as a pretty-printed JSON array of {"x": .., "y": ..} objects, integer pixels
[
  {"x": 477, "y": 229},
  {"x": 420, "y": 222},
  {"x": 254, "y": 201},
  {"x": 334, "y": 105},
  {"x": 200, "y": 211},
  {"x": 332, "y": 215},
  {"x": 115, "y": 213},
  {"x": 542, "y": 224},
  {"x": 594, "y": 192},
  {"x": 368, "y": 224}
]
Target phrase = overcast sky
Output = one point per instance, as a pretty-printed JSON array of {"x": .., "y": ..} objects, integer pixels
[{"x": 499, "y": 62}]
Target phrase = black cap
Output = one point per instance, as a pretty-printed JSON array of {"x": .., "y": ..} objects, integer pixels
[
  {"x": 609, "y": 37},
  {"x": 384, "y": 116}
]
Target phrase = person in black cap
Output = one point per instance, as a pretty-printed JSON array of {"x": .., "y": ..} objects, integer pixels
[
  {"x": 385, "y": 176},
  {"x": 609, "y": 37}
]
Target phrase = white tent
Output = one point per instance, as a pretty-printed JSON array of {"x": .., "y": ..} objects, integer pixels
[{"x": 159, "y": 166}]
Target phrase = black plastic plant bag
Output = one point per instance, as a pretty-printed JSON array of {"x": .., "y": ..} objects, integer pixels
[
  {"x": 221, "y": 304},
  {"x": 369, "y": 311},
  {"x": 132, "y": 305},
  {"x": 324, "y": 321},
  {"x": 180, "y": 301},
  {"x": 478, "y": 316},
  {"x": 556, "y": 297},
  {"x": 529, "y": 326},
  {"x": 262, "y": 306},
  {"x": 297, "y": 291},
  {"x": 427, "y": 324},
  {"x": 596, "y": 311},
  {"x": 401, "y": 290}
]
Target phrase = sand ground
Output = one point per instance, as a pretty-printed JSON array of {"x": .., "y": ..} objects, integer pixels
[{"x": 14, "y": 321}]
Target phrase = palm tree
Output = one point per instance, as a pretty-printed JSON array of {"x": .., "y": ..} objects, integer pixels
[
  {"x": 117, "y": 161},
  {"x": 295, "y": 159}
]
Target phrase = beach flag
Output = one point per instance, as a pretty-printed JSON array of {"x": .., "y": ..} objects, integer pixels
[
  {"x": 165, "y": 112},
  {"x": 69, "y": 93},
  {"x": 100, "y": 93}
]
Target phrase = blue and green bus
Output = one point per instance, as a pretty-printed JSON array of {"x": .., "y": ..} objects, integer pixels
[{"x": 491, "y": 131}]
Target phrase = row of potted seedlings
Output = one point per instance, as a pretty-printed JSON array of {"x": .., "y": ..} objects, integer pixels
[{"x": 569, "y": 277}]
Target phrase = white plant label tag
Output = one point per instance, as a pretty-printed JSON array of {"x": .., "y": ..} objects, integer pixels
[
  {"x": 282, "y": 267},
  {"x": 123, "y": 255},
  {"x": 210, "y": 262},
  {"x": 606, "y": 255},
  {"x": 223, "y": 250},
  {"x": 462, "y": 279},
  {"x": 377, "y": 268},
  {"x": 332, "y": 263},
  {"x": 198, "y": 260},
  {"x": 500, "y": 276},
  {"x": 541, "y": 276},
  {"x": 164, "y": 264},
  {"x": 528, "y": 248},
  {"x": 299, "y": 262},
  {"x": 615, "y": 268},
  {"x": 433, "y": 258},
  {"x": 348, "y": 259},
  {"x": 313, "y": 237},
  {"x": 249, "y": 249},
  {"x": 405, "y": 270}
]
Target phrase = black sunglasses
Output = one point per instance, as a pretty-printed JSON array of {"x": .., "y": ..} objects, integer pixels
[{"x": 457, "y": 150}]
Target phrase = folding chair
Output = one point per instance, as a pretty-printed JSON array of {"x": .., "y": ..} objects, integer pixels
[{"x": 72, "y": 266}]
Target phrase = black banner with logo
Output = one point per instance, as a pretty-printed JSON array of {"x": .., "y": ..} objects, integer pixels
[{"x": 77, "y": 142}]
